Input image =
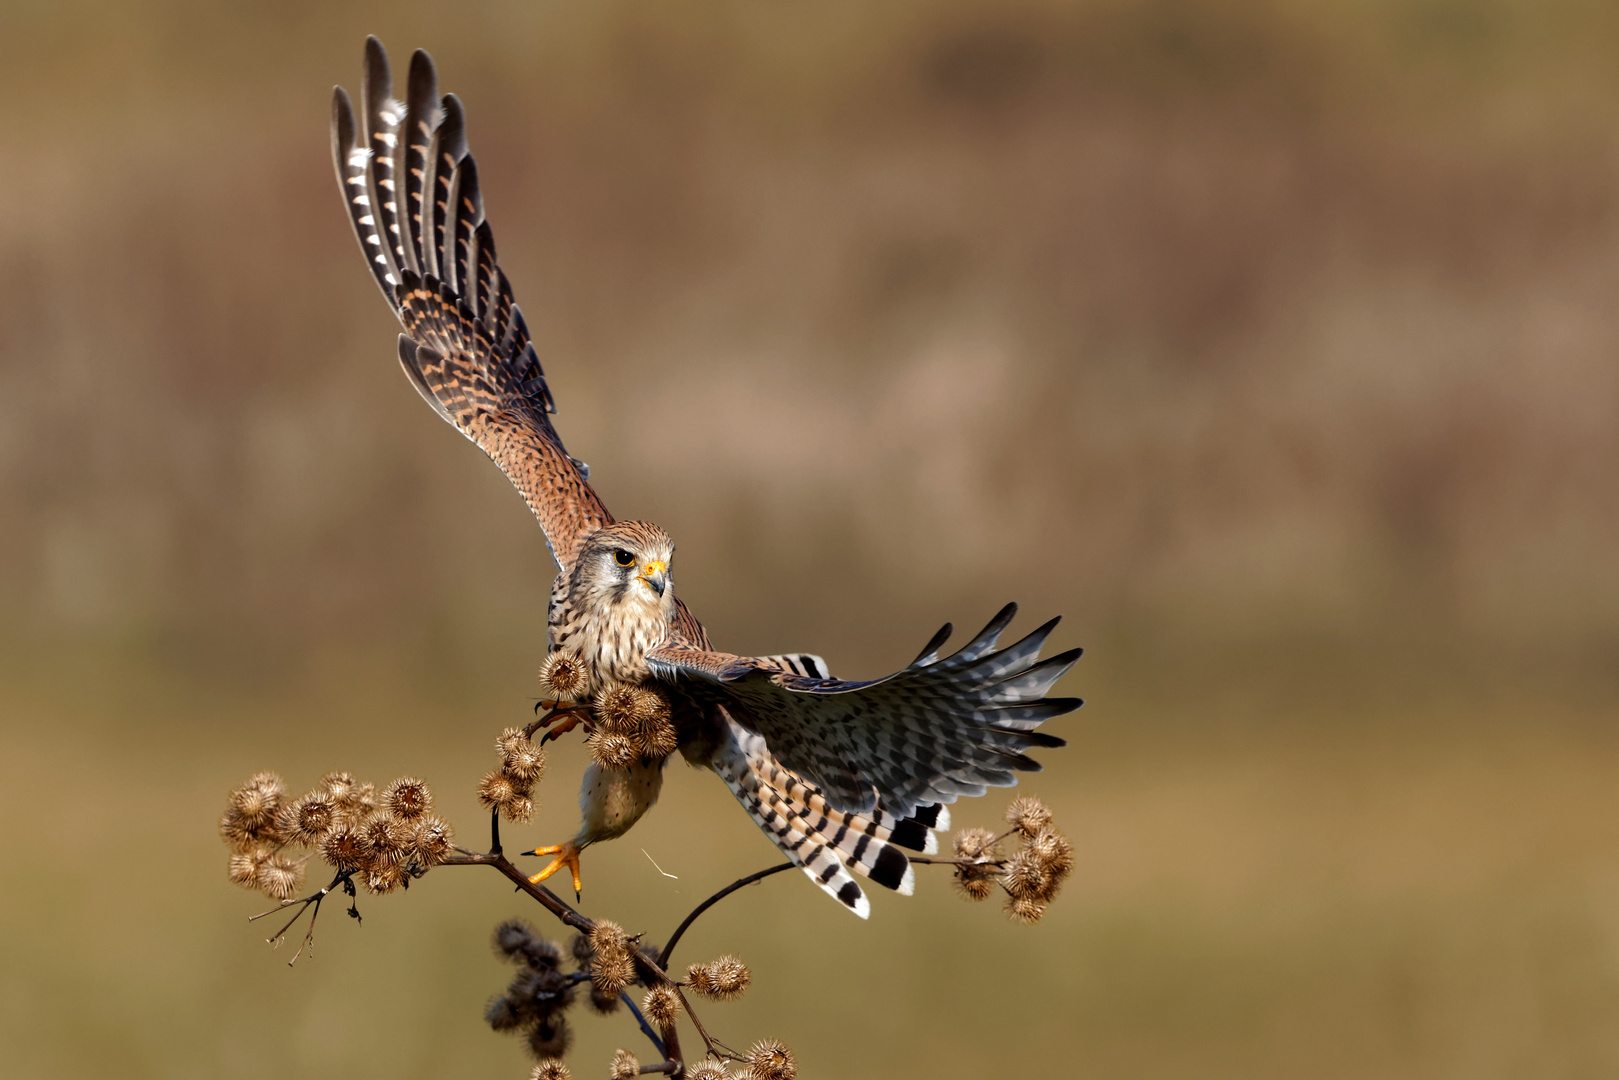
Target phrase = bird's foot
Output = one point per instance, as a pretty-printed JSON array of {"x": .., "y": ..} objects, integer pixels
[
  {"x": 559, "y": 719},
  {"x": 566, "y": 855}
]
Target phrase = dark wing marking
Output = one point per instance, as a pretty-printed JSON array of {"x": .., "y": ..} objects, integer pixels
[
  {"x": 413, "y": 197},
  {"x": 928, "y": 734}
]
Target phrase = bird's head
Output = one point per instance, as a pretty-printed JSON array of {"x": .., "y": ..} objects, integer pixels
[{"x": 628, "y": 562}]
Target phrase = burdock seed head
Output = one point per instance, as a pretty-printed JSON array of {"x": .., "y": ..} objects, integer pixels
[
  {"x": 975, "y": 882},
  {"x": 339, "y": 785},
  {"x": 613, "y": 751},
  {"x": 975, "y": 844},
  {"x": 1024, "y": 909},
  {"x": 626, "y": 1066},
  {"x": 499, "y": 791},
  {"x": 344, "y": 848},
  {"x": 771, "y": 1060},
  {"x": 383, "y": 877},
  {"x": 257, "y": 801},
  {"x": 708, "y": 1069},
  {"x": 247, "y": 867},
  {"x": 550, "y": 1037},
  {"x": 407, "y": 798},
  {"x": 721, "y": 980},
  {"x": 433, "y": 842},
  {"x": 308, "y": 818},
  {"x": 661, "y": 1005},
  {"x": 387, "y": 840},
  {"x": 611, "y": 968},
  {"x": 551, "y": 1069},
  {"x": 562, "y": 676},
  {"x": 1054, "y": 851},
  {"x": 656, "y": 736},
  {"x": 281, "y": 878},
  {"x": 520, "y": 759},
  {"x": 1028, "y": 815},
  {"x": 616, "y": 710},
  {"x": 500, "y": 1015}
]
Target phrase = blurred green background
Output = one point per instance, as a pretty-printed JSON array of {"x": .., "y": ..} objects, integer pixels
[{"x": 1273, "y": 344}]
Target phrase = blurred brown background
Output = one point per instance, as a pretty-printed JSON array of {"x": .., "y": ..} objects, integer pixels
[{"x": 1273, "y": 344}]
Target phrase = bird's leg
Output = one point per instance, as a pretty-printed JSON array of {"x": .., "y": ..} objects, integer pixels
[{"x": 567, "y": 854}]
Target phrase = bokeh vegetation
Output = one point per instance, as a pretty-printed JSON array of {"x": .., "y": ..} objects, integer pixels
[{"x": 1274, "y": 344}]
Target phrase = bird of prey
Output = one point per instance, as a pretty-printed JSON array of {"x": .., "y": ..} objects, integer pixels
[{"x": 840, "y": 775}]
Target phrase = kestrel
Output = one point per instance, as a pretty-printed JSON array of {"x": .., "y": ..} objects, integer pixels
[{"x": 840, "y": 775}]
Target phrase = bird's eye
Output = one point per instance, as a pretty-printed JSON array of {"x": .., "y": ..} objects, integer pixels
[{"x": 623, "y": 558}]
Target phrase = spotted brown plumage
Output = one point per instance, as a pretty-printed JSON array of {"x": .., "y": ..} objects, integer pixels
[{"x": 842, "y": 776}]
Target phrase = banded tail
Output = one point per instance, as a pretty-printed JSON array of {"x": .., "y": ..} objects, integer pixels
[{"x": 824, "y": 842}]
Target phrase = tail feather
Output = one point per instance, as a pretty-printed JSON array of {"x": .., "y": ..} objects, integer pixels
[{"x": 827, "y": 844}]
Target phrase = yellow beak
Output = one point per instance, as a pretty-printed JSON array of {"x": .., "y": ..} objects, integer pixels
[{"x": 656, "y": 575}]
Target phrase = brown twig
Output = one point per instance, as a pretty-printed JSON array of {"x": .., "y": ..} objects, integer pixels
[{"x": 663, "y": 957}]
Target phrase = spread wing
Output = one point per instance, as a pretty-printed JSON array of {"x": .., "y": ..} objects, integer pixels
[
  {"x": 412, "y": 193},
  {"x": 928, "y": 734}
]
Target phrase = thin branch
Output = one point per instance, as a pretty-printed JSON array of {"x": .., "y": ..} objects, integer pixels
[{"x": 668, "y": 950}]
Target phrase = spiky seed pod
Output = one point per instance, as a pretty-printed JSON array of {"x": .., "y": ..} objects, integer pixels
[
  {"x": 1025, "y": 875},
  {"x": 975, "y": 844},
  {"x": 408, "y": 798},
  {"x": 563, "y": 676},
  {"x": 551, "y": 1037},
  {"x": 512, "y": 939},
  {"x": 611, "y": 968},
  {"x": 721, "y": 980},
  {"x": 613, "y": 751},
  {"x": 536, "y": 992},
  {"x": 661, "y": 1005},
  {"x": 247, "y": 867},
  {"x": 603, "y": 1002},
  {"x": 519, "y": 809},
  {"x": 339, "y": 785},
  {"x": 344, "y": 848},
  {"x": 708, "y": 1070},
  {"x": 975, "y": 882},
  {"x": 1028, "y": 815},
  {"x": 307, "y": 818},
  {"x": 542, "y": 955},
  {"x": 520, "y": 758},
  {"x": 497, "y": 790},
  {"x": 282, "y": 878},
  {"x": 626, "y": 1066},
  {"x": 382, "y": 878},
  {"x": 648, "y": 703},
  {"x": 432, "y": 843},
  {"x": 615, "y": 710},
  {"x": 770, "y": 1060},
  {"x": 387, "y": 840},
  {"x": 259, "y": 798},
  {"x": 551, "y": 1069},
  {"x": 657, "y": 737},
  {"x": 1054, "y": 851},
  {"x": 237, "y": 834},
  {"x": 1024, "y": 909},
  {"x": 500, "y": 1015}
]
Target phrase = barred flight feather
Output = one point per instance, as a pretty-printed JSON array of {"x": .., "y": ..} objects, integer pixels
[
  {"x": 936, "y": 731},
  {"x": 416, "y": 207}
]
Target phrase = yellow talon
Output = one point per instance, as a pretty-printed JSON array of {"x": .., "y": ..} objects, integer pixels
[{"x": 566, "y": 855}]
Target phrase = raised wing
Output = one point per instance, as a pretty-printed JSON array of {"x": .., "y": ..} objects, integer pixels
[
  {"x": 412, "y": 193},
  {"x": 929, "y": 734}
]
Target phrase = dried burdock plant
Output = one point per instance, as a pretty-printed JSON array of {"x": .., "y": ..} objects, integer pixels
[{"x": 382, "y": 843}]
